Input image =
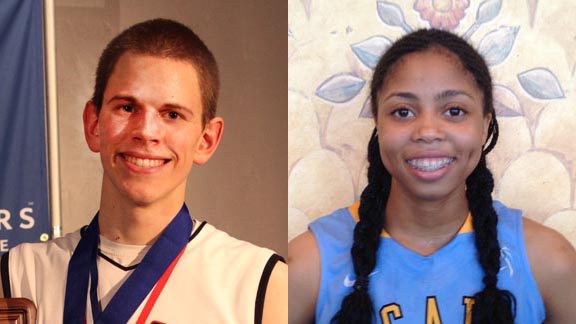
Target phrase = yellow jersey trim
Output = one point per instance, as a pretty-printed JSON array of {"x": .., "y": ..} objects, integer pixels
[{"x": 466, "y": 227}]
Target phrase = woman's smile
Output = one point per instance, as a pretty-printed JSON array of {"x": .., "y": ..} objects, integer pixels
[{"x": 430, "y": 164}]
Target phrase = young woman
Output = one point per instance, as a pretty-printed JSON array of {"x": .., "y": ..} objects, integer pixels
[{"x": 426, "y": 243}]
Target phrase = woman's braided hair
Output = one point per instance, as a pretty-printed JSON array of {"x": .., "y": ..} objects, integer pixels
[{"x": 492, "y": 305}]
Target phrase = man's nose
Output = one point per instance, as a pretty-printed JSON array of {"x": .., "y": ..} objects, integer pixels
[{"x": 147, "y": 126}]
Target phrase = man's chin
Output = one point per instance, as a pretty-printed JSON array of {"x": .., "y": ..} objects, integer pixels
[{"x": 142, "y": 199}]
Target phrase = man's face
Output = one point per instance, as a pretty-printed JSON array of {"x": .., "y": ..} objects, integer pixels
[{"x": 149, "y": 130}]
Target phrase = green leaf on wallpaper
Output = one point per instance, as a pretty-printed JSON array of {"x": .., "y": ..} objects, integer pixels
[
  {"x": 391, "y": 14},
  {"x": 541, "y": 83},
  {"x": 369, "y": 51},
  {"x": 340, "y": 88},
  {"x": 497, "y": 44}
]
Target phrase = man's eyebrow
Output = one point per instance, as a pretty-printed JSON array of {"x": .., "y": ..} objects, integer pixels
[
  {"x": 176, "y": 106},
  {"x": 123, "y": 98},
  {"x": 131, "y": 99}
]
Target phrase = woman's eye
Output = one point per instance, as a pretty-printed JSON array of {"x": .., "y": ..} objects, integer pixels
[
  {"x": 403, "y": 113},
  {"x": 455, "y": 112}
]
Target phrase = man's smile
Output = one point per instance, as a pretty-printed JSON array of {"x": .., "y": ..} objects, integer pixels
[{"x": 145, "y": 163}]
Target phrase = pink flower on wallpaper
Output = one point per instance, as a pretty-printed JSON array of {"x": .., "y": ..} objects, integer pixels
[{"x": 442, "y": 14}]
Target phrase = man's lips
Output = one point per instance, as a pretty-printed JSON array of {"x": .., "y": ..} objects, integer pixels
[{"x": 145, "y": 163}]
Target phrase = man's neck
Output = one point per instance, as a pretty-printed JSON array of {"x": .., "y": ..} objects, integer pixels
[{"x": 128, "y": 223}]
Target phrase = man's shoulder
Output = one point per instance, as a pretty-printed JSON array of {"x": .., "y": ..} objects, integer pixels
[
  {"x": 217, "y": 257},
  {"x": 61, "y": 245},
  {"x": 30, "y": 269},
  {"x": 218, "y": 242}
]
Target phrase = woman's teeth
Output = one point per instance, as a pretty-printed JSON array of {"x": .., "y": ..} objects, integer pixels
[{"x": 430, "y": 164}]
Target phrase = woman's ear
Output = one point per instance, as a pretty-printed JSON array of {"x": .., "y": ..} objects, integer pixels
[{"x": 487, "y": 122}]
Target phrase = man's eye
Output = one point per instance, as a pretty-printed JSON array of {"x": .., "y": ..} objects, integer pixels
[
  {"x": 403, "y": 113},
  {"x": 128, "y": 108},
  {"x": 173, "y": 115}
]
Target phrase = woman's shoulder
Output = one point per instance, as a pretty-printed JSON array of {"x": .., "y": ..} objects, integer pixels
[
  {"x": 304, "y": 250},
  {"x": 303, "y": 277},
  {"x": 335, "y": 224},
  {"x": 553, "y": 263},
  {"x": 547, "y": 249},
  {"x": 551, "y": 258}
]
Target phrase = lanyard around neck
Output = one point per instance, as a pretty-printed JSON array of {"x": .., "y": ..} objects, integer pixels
[{"x": 157, "y": 262}]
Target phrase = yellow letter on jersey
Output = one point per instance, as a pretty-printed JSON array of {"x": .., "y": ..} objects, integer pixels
[
  {"x": 390, "y": 309},
  {"x": 432, "y": 313},
  {"x": 468, "y": 302}
]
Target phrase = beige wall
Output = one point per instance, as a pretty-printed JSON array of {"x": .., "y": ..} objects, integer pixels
[
  {"x": 243, "y": 189},
  {"x": 530, "y": 48}
]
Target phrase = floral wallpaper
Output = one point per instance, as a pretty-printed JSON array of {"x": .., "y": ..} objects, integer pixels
[{"x": 530, "y": 46}]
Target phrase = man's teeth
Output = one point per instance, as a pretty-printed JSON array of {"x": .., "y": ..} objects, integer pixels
[
  {"x": 144, "y": 163},
  {"x": 430, "y": 164}
]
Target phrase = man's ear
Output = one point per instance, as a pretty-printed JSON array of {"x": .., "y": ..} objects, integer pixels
[
  {"x": 209, "y": 141},
  {"x": 90, "y": 118}
]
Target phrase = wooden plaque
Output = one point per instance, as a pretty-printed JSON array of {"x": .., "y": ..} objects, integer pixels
[{"x": 17, "y": 311}]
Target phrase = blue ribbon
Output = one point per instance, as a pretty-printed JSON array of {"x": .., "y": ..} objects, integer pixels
[{"x": 82, "y": 267}]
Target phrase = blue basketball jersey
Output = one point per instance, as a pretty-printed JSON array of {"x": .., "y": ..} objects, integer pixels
[{"x": 406, "y": 287}]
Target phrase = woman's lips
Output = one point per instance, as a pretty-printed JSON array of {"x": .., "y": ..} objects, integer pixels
[{"x": 430, "y": 164}]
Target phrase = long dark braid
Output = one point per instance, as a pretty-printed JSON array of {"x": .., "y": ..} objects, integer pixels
[
  {"x": 492, "y": 305},
  {"x": 357, "y": 306}
]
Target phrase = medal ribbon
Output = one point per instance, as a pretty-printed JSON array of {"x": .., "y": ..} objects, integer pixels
[{"x": 158, "y": 263}]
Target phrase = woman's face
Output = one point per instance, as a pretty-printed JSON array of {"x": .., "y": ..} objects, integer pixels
[{"x": 431, "y": 125}]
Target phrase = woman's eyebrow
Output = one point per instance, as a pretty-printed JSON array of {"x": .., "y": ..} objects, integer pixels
[
  {"x": 404, "y": 95},
  {"x": 440, "y": 96},
  {"x": 450, "y": 94}
]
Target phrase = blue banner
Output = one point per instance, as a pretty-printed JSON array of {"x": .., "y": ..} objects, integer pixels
[{"x": 24, "y": 214}]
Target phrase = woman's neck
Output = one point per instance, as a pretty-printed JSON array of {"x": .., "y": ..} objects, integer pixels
[{"x": 425, "y": 226}]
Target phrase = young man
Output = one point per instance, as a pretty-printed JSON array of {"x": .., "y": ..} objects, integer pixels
[{"x": 143, "y": 259}]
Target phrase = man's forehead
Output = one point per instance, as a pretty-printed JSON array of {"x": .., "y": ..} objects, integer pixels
[
  {"x": 144, "y": 76},
  {"x": 133, "y": 63},
  {"x": 131, "y": 55}
]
